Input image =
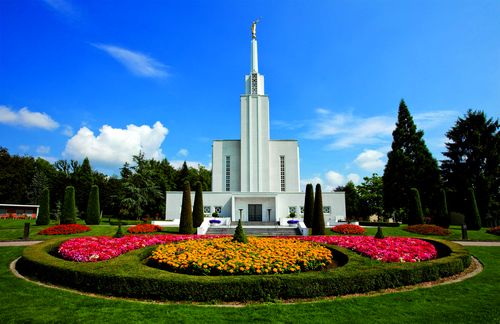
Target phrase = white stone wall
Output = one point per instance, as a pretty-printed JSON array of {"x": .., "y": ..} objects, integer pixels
[
  {"x": 220, "y": 149},
  {"x": 254, "y": 143},
  {"x": 290, "y": 150}
]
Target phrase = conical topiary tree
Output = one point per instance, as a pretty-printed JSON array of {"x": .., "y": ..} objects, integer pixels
[
  {"x": 443, "y": 214},
  {"x": 318, "y": 221},
  {"x": 186, "y": 221},
  {"x": 68, "y": 212},
  {"x": 416, "y": 214},
  {"x": 93, "y": 207},
  {"x": 198, "y": 214},
  {"x": 239, "y": 234},
  {"x": 309, "y": 205},
  {"x": 44, "y": 211},
  {"x": 472, "y": 217}
]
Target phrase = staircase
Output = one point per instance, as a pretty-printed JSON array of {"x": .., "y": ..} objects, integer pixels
[{"x": 262, "y": 230}]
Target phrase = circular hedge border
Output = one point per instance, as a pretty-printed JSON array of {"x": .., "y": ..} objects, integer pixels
[{"x": 129, "y": 276}]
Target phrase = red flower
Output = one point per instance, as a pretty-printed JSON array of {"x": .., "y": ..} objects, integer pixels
[
  {"x": 144, "y": 228},
  {"x": 64, "y": 229},
  {"x": 426, "y": 229},
  {"x": 348, "y": 229}
]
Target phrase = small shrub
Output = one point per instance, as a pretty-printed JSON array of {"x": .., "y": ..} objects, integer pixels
[
  {"x": 426, "y": 229},
  {"x": 379, "y": 234},
  {"x": 494, "y": 230},
  {"x": 239, "y": 234},
  {"x": 348, "y": 229},
  {"x": 65, "y": 229},
  {"x": 143, "y": 228}
]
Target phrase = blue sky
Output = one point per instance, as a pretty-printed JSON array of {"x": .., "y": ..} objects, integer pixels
[{"x": 105, "y": 79}]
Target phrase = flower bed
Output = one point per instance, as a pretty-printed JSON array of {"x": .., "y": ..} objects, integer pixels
[
  {"x": 389, "y": 249},
  {"x": 222, "y": 256},
  {"x": 348, "y": 229},
  {"x": 65, "y": 229},
  {"x": 99, "y": 248},
  {"x": 427, "y": 229},
  {"x": 494, "y": 230},
  {"x": 144, "y": 228}
]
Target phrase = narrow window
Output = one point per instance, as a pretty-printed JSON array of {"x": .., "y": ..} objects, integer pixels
[
  {"x": 282, "y": 172},
  {"x": 228, "y": 173}
]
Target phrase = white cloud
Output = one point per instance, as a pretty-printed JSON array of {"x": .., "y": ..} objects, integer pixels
[
  {"x": 42, "y": 149},
  {"x": 183, "y": 152},
  {"x": 348, "y": 130},
  {"x": 192, "y": 164},
  {"x": 370, "y": 160},
  {"x": 428, "y": 120},
  {"x": 355, "y": 178},
  {"x": 136, "y": 62},
  {"x": 333, "y": 180},
  {"x": 67, "y": 130},
  {"x": 26, "y": 118},
  {"x": 115, "y": 146}
]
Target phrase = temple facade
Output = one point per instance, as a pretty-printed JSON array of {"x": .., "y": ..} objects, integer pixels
[{"x": 256, "y": 178}]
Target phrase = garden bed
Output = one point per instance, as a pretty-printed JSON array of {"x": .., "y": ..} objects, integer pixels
[{"x": 129, "y": 276}]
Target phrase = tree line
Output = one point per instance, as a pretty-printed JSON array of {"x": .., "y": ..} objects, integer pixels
[
  {"x": 414, "y": 188},
  {"x": 138, "y": 191}
]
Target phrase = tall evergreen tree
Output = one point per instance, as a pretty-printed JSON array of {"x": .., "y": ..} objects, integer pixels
[
  {"x": 198, "y": 215},
  {"x": 473, "y": 160},
  {"x": 186, "y": 221},
  {"x": 416, "y": 214},
  {"x": 318, "y": 226},
  {"x": 410, "y": 165},
  {"x": 44, "y": 211},
  {"x": 472, "y": 216},
  {"x": 309, "y": 205},
  {"x": 68, "y": 213},
  {"x": 93, "y": 207},
  {"x": 443, "y": 218}
]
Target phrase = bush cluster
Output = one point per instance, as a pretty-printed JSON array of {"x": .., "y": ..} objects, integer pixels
[
  {"x": 65, "y": 229},
  {"x": 358, "y": 275},
  {"x": 143, "y": 228},
  {"x": 427, "y": 229},
  {"x": 348, "y": 229},
  {"x": 494, "y": 230}
]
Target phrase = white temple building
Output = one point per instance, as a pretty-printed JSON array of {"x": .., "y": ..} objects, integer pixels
[{"x": 255, "y": 177}]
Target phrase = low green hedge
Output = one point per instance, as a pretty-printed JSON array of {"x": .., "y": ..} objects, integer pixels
[{"x": 129, "y": 276}]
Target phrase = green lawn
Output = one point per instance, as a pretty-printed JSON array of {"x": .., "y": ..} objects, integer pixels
[
  {"x": 11, "y": 230},
  {"x": 472, "y": 301}
]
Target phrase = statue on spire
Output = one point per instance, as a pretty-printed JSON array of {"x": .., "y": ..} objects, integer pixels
[{"x": 254, "y": 29}]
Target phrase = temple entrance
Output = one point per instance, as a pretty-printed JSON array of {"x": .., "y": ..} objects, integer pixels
[{"x": 254, "y": 213}]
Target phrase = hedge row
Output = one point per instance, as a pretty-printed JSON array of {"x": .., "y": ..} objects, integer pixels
[{"x": 129, "y": 276}]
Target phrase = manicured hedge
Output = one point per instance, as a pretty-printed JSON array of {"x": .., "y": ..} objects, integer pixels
[{"x": 129, "y": 276}]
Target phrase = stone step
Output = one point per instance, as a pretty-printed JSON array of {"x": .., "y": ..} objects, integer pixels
[{"x": 254, "y": 231}]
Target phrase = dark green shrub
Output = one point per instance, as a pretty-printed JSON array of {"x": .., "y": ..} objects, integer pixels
[
  {"x": 93, "y": 207},
  {"x": 239, "y": 234},
  {"x": 416, "y": 214},
  {"x": 472, "y": 217},
  {"x": 443, "y": 214},
  {"x": 198, "y": 214},
  {"x": 309, "y": 205},
  {"x": 44, "y": 211},
  {"x": 318, "y": 221},
  {"x": 357, "y": 275},
  {"x": 186, "y": 221},
  {"x": 379, "y": 234},
  {"x": 119, "y": 231},
  {"x": 68, "y": 212}
]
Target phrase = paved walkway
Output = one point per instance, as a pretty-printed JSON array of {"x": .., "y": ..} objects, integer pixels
[{"x": 18, "y": 243}]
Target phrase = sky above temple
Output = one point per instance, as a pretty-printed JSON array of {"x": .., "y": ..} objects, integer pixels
[{"x": 107, "y": 79}]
